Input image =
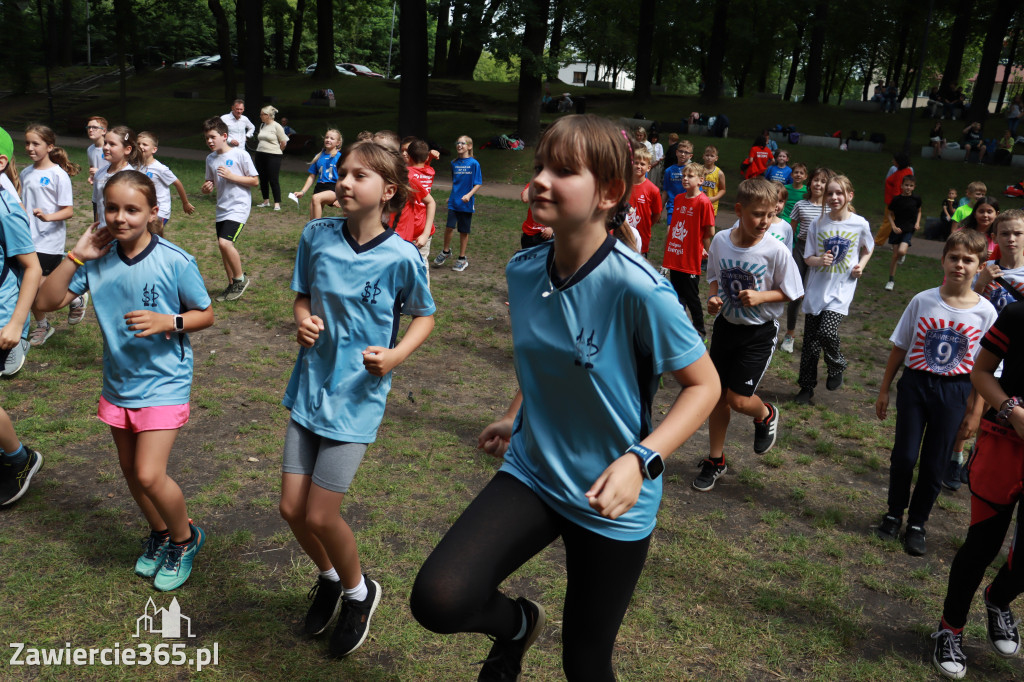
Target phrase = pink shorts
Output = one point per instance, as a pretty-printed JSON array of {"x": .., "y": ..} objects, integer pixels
[{"x": 138, "y": 419}]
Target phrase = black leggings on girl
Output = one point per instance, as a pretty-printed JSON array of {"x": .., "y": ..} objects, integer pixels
[{"x": 506, "y": 525}]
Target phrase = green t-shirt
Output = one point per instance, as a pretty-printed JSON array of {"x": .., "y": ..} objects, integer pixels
[{"x": 795, "y": 195}]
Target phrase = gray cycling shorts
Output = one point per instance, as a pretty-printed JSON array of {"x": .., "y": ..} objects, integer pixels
[{"x": 331, "y": 463}]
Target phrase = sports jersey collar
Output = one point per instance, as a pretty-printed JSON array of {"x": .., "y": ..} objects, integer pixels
[
  {"x": 363, "y": 248},
  {"x": 145, "y": 252},
  {"x": 602, "y": 252}
]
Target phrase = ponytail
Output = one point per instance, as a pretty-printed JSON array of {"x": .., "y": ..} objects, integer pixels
[{"x": 60, "y": 157}]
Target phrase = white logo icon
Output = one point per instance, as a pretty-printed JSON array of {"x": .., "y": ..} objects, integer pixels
[
  {"x": 749, "y": 382},
  {"x": 163, "y": 622}
]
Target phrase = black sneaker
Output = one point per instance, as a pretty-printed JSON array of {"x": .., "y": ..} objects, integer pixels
[
  {"x": 804, "y": 396},
  {"x": 889, "y": 528},
  {"x": 1002, "y": 629},
  {"x": 326, "y": 598},
  {"x": 951, "y": 480},
  {"x": 504, "y": 661},
  {"x": 766, "y": 431},
  {"x": 14, "y": 481},
  {"x": 709, "y": 473},
  {"x": 914, "y": 541},
  {"x": 948, "y": 657},
  {"x": 354, "y": 621},
  {"x": 834, "y": 382}
]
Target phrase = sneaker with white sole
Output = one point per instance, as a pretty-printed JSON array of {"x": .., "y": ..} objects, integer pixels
[
  {"x": 1002, "y": 629},
  {"x": 40, "y": 333},
  {"x": 709, "y": 473},
  {"x": 460, "y": 264},
  {"x": 14, "y": 481},
  {"x": 890, "y": 285},
  {"x": 15, "y": 359},
  {"x": 504, "y": 661},
  {"x": 354, "y": 621},
  {"x": 441, "y": 258},
  {"x": 766, "y": 431},
  {"x": 237, "y": 288},
  {"x": 948, "y": 657},
  {"x": 153, "y": 555},
  {"x": 787, "y": 344},
  {"x": 178, "y": 559},
  {"x": 76, "y": 310},
  {"x": 326, "y": 597}
]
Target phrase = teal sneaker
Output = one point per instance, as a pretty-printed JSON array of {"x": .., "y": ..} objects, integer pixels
[
  {"x": 177, "y": 566},
  {"x": 153, "y": 556}
]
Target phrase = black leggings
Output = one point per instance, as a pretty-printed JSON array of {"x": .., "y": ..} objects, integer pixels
[
  {"x": 506, "y": 525},
  {"x": 793, "y": 307},
  {"x": 687, "y": 288},
  {"x": 269, "y": 168}
]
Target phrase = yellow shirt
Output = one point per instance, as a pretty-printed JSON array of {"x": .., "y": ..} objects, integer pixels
[{"x": 710, "y": 186}]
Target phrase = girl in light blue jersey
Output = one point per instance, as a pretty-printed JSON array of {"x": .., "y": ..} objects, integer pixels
[
  {"x": 594, "y": 326},
  {"x": 149, "y": 286}
]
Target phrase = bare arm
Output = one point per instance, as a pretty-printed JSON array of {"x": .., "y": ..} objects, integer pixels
[
  {"x": 62, "y": 213},
  {"x": 987, "y": 385},
  {"x": 185, "y": 204},
  {"x": 31, "y": 275},
  {"x": 431, "y": 205},
  {"x": 378, "y": 360}
]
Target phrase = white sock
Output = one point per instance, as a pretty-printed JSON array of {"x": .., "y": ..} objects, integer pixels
[
  {"x": 522, "y": 629},
  {"x": 357, "y": 593},
  {"x": 331, "y": 575},
  {"x": 958, "y": 457}
]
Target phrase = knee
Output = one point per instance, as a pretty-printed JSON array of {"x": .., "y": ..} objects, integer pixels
[
  {"x": 437, "y": 604},
  {"x": 292, "y": 511},
  {"x": 735, "y": 401},
  {"x": 224, "y": 244},
  {"x": 149, "y": 479},
  {"x": 320, "y": 521}
]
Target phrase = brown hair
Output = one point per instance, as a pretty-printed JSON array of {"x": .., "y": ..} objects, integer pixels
[
  {"x": 781, "y": 189},
  {"x": 99, "y": 119},
  {"x": 215, "y": 123},
  {"x": 57, "y": 154},
  {"x": 141, "y": 183},
  {"x": 388, "y": 164},
  {"x": 126, "y": 136},
  {"x": 697, "y": 169},
  {"x": 418, "y": 150},
  {"x": 972, "y": 240},
  {"x": 12, "y": 174},
  {"x": 757, "y": 191},
  {"x": 799, "y": 164},
  {"x": 152, "y": 136},
  {"x": 1014, "y": 215},
  {"x": 388, "y": 138}
]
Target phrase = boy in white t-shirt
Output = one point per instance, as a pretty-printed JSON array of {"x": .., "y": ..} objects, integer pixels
[
  {"x": 750, "y": 279},
  {"x": 936, "y": 341},
  {"x": 230, "y": 171},
  {"x": 163, "y": 177}
]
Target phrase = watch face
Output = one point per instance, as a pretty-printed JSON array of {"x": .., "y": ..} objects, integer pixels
[
  {"x": 655, "y": 467},
  {"x": 179, "y": 322}
]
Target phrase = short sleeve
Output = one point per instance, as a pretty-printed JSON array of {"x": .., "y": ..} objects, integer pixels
[
  {"x": 79, "y": 283},
  {"x": 417, "y": 302},
  {"x": 903, "y": 335},
  {"x": 281, "y": 135},
  {"x": 666, "y": 331},
  {"x": 300, "y": 276},
  {"x": 17, "y": 236},
  {"x": 1008, "y": 325},
  {"x": 788, "y": 279},
  {"x": 191, "y": 288},
  {"x": 478, "y": 176},
  {"x": 247, "y": 166},
  {"x": 313, "y": 170},
  {"x": 65, "y": 197},
  {"x": 167, "y": 176}
]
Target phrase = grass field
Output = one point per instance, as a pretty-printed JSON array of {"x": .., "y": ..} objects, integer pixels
[{"x": 773, "y": 575}]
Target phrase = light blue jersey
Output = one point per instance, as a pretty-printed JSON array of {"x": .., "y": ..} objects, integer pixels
[
  {"x": 151, "y": 371},
  {"x": 15, "y": 240},
  {"x": 360, "y": 292},
  {"x": 588, "y": 358},
  {"x": 465, "y": 174}
]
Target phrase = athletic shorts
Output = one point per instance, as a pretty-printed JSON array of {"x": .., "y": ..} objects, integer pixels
[
  {"x": 461, "y": 219},
  {"x": 741, "y": 353},
  {"x": 137, "y": 419},
  {"x": 331, "y": 463},
  {"x": 229, "y": 229},
  {"x": 996, "y": 469},
  {"x": 901, "y": 238},
  {"x": 323, "y": 187},
  {"x": 49, "y": 261}
]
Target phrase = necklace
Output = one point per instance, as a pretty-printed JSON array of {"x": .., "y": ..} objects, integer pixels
[{"x": 551, "y": 279}]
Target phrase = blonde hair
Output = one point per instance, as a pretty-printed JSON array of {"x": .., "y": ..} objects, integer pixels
[
  {"x": 977, "y": 185},
  {"x": 57, "y": 154},
  {"x": 641, "y": 154},
  {"x": 151, "y": 136},
  {"x": 686, "y": 144},
  {"x": 270, "y": 110},
  {"x": 326, "y": 133},
  {"x": 757, "y": 191},
  {"x": 847, "y": 187},
  {"x": 697, "y": 169},
  {"x": 469, "y": 143}
]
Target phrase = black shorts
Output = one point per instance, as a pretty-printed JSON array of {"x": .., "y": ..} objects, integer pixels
[
  {"x": 229, "y": 229},
  {"x": 741, "y": 353},
  {"x": 49, "y": 261},
  {"x": 461, "y": 219},
  {"x": 324, "y": 187},
  {"x": 901, "y": 238}
]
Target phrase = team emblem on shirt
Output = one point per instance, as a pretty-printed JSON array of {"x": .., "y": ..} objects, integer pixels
[
  {"x": 942, "y": 349},
  {"x": 999, "y": 297},
  {"x": 839, "y": 245},
  {"x": 44, "y": 181},
  {"x": 678, "y": 232},
  {"x": 229, "y": 162},
  {"x": 149, "y": 296},
  {"x": 734, "y": 277},
  {"x": 371, "y": 292},
  {"x": 586, "y": 349}
]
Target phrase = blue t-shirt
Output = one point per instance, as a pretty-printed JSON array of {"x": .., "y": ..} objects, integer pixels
[
  {"x": 151, "y": 371},
  {"x": 672, "y": 184},
  {"x": 15, "y": 240},
  {"x": 588, "y": 358},
  {"x": 783, "y": 174},
  {"x": 360, "y": 292},
  {"x": 465, "y": 174},
  {"x": 325, "y": 168}
]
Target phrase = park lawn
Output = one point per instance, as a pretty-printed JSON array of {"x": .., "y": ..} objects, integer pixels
[{"x": 774, "y": 574}]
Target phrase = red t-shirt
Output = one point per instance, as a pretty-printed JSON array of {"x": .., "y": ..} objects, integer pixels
[
  {"x": 760, "y": 159},
  {"x": 414, "y": 214},
  {"x": 894, "y": 183},
  {"x": 646, "y": 199},
  {"x": 692, "y": 221}
]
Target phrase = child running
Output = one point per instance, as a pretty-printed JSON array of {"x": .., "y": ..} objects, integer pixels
[
  {"x": 996, "y": 472},
  {"x": 645, "y": 198},
  {"x": 466, "y": 180},
  {"x": 18, "y": 463},
  {"x": 904, "y": 220},
  {"x": 47, "y": 198},
  {"x": 148, "y": 296},
  {"x": 839, "y": 246},
  {"x": 750, "y": 278},
  {"x": 163, "y": 177},
  {"x": 324, "y": 171},
  {"x": 230, "y": 171},
  {"x": 352, "y": 279},
  {"x": 594, "y": 326},
  {"x": 936, "y": 341}
]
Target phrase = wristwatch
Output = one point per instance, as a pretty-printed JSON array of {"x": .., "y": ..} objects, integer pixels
[
  {"x": 179, "y": 323},
  {"x": 651, "y": 462},
  {"x": 1006, "y": 409}
]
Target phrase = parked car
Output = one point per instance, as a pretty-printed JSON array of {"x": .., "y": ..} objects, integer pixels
[
  {"x": 188, "y": 63},
  {"x": 359, "y": 70},
  {"x": 337, "y": 67}
]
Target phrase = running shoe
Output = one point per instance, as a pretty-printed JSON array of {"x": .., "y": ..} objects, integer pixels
[
  {"x": 890, "y": 285},
  {"x": 504, "y": 662},
  {"x": 460, "y": 264},
  {"x": 326, "y": 597},
  {"x": 40, "y": 334},
  {"x": 766, "y": 431},
  {"x": 1002, "y": 629},
  {"x": 914, "y": 541},
  {"x": 15, "y": 358},
  {"x": 354, "y": 621},
  {"x": 14, "y": 481},
  {"x": 948, "y": 657},
  {"x": 834, "y": 382},
  {"x": 889, "y": 528},
  {"x": 153, "y": 555},
  {"x": 787, "y": 344},
  {"x": 76, "y": 311},
  {"x": 177, "y": 566},
  {"x": 952, "y": 480},
  {"x": 237, "y": 288},
  {"x": 441, "y": 258},
  {"x": 709, "y": 473}
]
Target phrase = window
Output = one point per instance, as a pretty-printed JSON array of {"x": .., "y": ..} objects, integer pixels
[{"x": 579, "y": 77}]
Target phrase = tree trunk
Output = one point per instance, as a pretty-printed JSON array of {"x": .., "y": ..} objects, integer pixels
[
  {"x": 842, "y": 86},
  {"x": 744, "y": 73},
  {"x": 644, "y": 47},
  {"x": 241, "y": 37},
  {"x": 531, "y": 70},
  {"x": 455, "y": 37},
  {"x": 713, "y": 78},
  {"x": 224, "y": 47},
  {"x": 66, "y": 33},
  {"x": 957, "y": 44},
  {"x": 122, "y": 14},
  {"x": 441, "y": 39},
  {"x": 253, "y": 49},
  {"x": 412, "y": 90},
  {"x": 293, "y": 49},
  {"x": 474, "y": 33},
  {"x": 990, "y": 52},
  {"x": 869, "y": 74},
  {"x": 795, "y": 64},
  {"x": 324, "y": 40},
  {"x": 1009, "y": 62},
  {"x": 830, "y": 74},
  {"x": 812, "y": 73},
  {"x": 555, "y": 44},
  {"x": 277, "y": 39}
]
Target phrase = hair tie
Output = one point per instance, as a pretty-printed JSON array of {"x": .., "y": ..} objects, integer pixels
[
  {"x": 628, "y": 143},
  {"x": 620, "y": 216}
]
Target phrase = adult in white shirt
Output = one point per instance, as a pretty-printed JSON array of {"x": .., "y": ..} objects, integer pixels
[{"x": 239, "y": 127}]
